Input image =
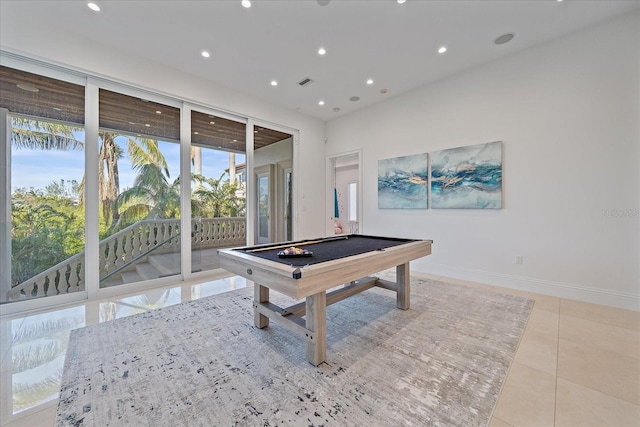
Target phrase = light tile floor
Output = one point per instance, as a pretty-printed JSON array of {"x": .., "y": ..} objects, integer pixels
[{"x": 578, "y": 364}]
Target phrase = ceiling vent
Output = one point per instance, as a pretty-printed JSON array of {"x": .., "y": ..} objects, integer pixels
[{"x": 305, "y": 82}]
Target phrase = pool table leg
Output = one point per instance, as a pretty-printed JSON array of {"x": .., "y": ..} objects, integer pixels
[
  {"x": 260, "y": 294},
  {"x": 403, "y": 286},
  {"x": 316, "y": 321}
]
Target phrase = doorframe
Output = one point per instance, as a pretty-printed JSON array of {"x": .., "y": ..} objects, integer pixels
[{"x": 330, "y": 167}]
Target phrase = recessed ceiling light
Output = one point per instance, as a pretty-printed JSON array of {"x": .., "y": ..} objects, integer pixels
[
  {"x": 212, "y": 123},
  {"x": 442, "y": 49},
  {"x": 57, "y": 109},
  {"x": 28, "y": 87},
  {"x": 147, "y": 125},
  {"x": 370, "y": 81},
  {"x": 321, "y": 103},
  {"x": 505, "y": 38},
  {"x": 93, "y": 7},
  {"x": 246, "y": 3},
  {"x": 383, "y": 91},
  {"x": 235, "y": 140},
  {"x": 336, "y": 109},
  {"x": 401, "y": 1},
  {"x": 205, "y": 54},
  {"x": 158, "y": 112},
  {"x": 322, "y": 51},
  {"x": 196, "y": 133},
  {"x": 354, "y": 99},
  {"x": 132, "y": 123},
  {"x": 274, "y": 83}
]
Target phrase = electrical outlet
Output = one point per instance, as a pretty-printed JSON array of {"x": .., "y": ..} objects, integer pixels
[{"x": 519, "y": 259}]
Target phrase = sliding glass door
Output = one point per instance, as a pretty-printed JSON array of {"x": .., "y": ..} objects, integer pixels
[
  {"x": 273, "y": 177},
  {"x": 139, "y": 189},
  {"x": 42, "y": 197},
  {"x": 98, "y": 177},
  {"x": 218, "y": 187}
]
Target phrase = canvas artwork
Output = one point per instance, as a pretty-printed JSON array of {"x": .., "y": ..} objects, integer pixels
[
  {"x": 467, "y": 177},
  {"x": 402, "y": 182}
]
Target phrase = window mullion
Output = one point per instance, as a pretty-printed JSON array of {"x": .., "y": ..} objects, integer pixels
[{"x": 92, "y": 232}]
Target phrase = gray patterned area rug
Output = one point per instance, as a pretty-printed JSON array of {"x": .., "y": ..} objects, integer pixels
[{"x": 203, "y": 363}]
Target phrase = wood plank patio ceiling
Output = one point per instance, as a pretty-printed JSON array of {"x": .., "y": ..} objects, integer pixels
[{"x": 47, "y": 98}]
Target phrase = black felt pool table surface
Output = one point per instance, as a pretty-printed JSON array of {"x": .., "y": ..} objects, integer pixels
[{"x": 327, "y": 249}]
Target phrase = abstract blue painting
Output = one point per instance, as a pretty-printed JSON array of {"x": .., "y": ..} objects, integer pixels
[
  {"x": 467, "y": 177},
  {"x": 402, "y": 182}
]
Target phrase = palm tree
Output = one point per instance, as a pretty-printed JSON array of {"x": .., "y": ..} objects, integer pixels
[
  {"x": 109, "y": 176},
  {"x": 219, "y": 199},
  {"x": 152, "y": 194},
  {"x": 44, "y": 135}
]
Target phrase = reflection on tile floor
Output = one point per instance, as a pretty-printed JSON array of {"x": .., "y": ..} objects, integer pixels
[{"x": 34, "y": 345}]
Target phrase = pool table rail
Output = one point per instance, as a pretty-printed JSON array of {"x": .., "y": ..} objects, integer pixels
[{"x": 319, "y": 277}]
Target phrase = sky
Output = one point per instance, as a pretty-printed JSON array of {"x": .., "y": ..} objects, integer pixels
[{"x": 38, "y": 168}]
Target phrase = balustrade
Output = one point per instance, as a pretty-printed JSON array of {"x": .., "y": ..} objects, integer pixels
[{"x": 124, "y": 247}]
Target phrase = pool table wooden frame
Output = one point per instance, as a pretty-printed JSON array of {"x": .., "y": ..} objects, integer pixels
[{"x": 313, "y": 282}]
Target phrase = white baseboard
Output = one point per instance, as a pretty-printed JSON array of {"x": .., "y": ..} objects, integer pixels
[{"x": 539, "y": 286}]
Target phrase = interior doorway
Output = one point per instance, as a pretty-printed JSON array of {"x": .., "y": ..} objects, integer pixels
[{"x": 344, "y": 195}]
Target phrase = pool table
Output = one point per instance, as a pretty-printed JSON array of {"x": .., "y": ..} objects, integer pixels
[{"x": 325, "y": 264}]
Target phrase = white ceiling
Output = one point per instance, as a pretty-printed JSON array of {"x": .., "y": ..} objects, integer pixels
[{"x": 394, "y": 44}]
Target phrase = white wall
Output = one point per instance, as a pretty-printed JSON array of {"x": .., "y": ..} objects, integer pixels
[
  {"x": 64, "y": 49},
  {"x": 568, "y": 115}
]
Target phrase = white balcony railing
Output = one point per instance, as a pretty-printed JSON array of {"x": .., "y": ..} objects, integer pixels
[{"x": 128, "y": 246}]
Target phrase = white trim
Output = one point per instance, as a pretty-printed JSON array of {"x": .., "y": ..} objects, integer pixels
[
  {"x": 185, "y": 192},
  {"x": 286, "y": 168},
  {"x": 42, "y": 68},
  {"x": 295, "y": 181},
  {"x": 42, "y": 303},
  {"x": 250, "y": 208},
  {"x": 529, "y": 284},
  {"x": 5, "y": 204},
  {"x": 91, "y": 198}
]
